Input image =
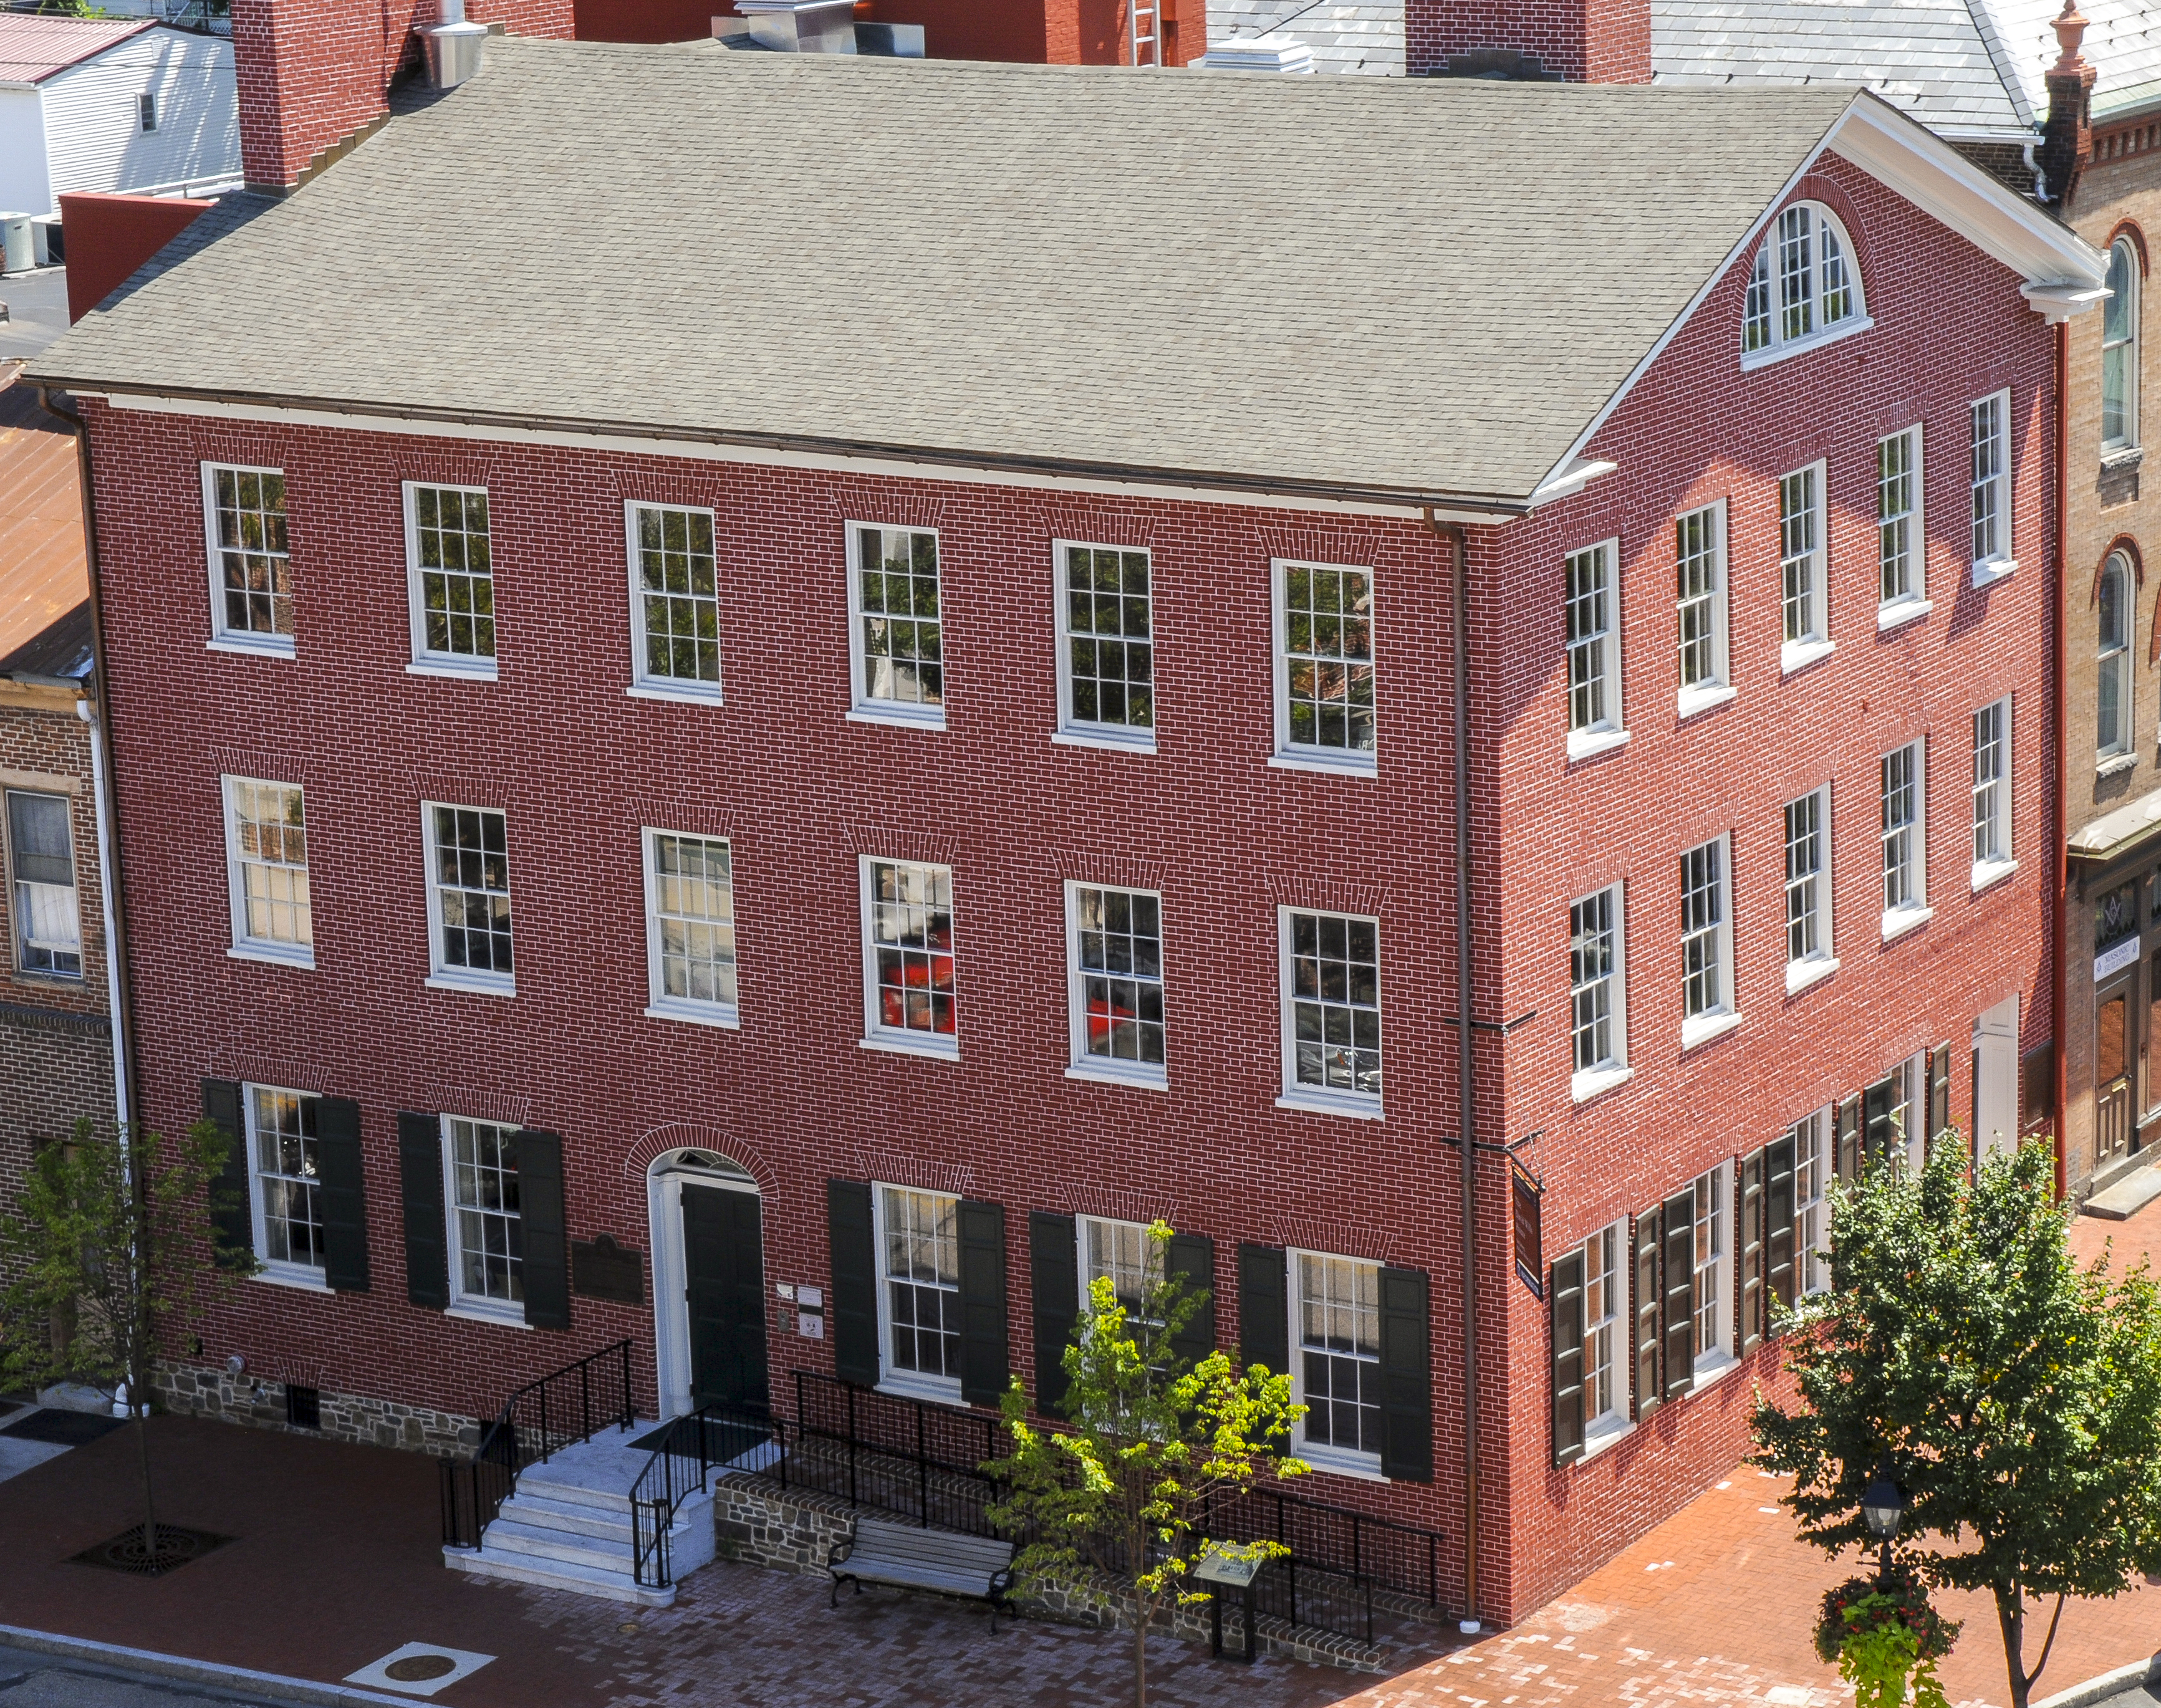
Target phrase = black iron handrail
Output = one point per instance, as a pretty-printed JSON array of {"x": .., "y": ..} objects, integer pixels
[
  {"x": 535, "y": 1422},
  {"x": 716, "y": 1434}
]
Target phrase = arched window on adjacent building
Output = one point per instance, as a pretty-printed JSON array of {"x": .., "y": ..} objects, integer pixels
[
  {"x": 2119, "y": 348},
  {"x": 2112, "y": 660},
  {"x": 1804, "y": 285}
]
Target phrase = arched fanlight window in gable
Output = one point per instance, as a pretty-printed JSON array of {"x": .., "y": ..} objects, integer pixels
[{"x": 1804, "y": 286}]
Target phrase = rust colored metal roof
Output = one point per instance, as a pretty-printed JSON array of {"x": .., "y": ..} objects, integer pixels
[
  {"x": 44, "y": 569},
  {"x": 33, "y": 49}
]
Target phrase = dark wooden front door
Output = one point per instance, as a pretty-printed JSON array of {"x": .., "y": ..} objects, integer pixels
[
  {"x": 2112, "y": 1078},
  {"x": 724, "y": 1261}
]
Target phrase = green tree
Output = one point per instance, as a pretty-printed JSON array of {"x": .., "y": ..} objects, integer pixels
[
  {"x": 113, "y": 1248},
  {"x": 2016, "y": 1395},
  {"x": 1124, "y": 1489}
]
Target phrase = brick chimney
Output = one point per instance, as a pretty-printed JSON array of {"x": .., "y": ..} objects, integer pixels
[
  {"x": 1577, "y": 41},
  {"x": 2067, "y": 136},
  {"x": 314, "y": 74}
]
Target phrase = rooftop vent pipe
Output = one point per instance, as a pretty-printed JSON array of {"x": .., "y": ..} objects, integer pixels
[
  {"x": 453, "y": 47},
  {"x": 1259, "y": 53}
]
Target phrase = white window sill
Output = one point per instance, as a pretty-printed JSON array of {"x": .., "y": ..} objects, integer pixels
[
  {"x": 1110, "y": 740},
  {"x": 898, "y": 716},
  {"x": 1901, "y": 612},
  {"x": 1988, "y": 873},
  {"x": 1143, "y": 1075},
  {"x": 1898, "y": 921},
  {"x": 1706, "y": 1026},
  {"x": 1342, "y": 1462},
  {"x": 683, "y": 694},
  {"x": 1994, "y": 570},
  {"x": 1798, "y": 655},
  {"x": 1588, "y": 744},
  {"x": 940, "y": 1047},
  {"x": 1595, "y": 1082},
  {"x": 1691, "y": 701},
  {"x": 1713, "y": 1368},
  {"x": 1312, "y": 1099},
  {"x": 265, "y": 647},
  {"x": 1754, "y": 359},
  {"x": 461, "y": 669},
  {"x": 504, "y": 1316},
  {"x": 720, "y": 1014},
  {"x": 1597, "y": 1438},
  {"x": 938, "y": 1390},
  {"x": 275, "y": 955},
  {"x": 301, "y": 1278},
  {"x": 471, "y": 985},
  {"x": 1341, "y": 764},
  {"x": 1802, "y": 974},
  {"x": 2116, "y": 764}
]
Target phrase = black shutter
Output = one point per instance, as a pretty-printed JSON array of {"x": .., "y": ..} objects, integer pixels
[
  {"x": 547, "y": 1244},
  {"x": 1406, "y": 1376},
  {"x": 1649, "y": 1340},
  {"x": 2037, "y": 1087},
  {"x": 1679, "y": 1217},
  {"x": 1877, "y": 1103},
  {"x": 1780, "y": 1237},
  {"x": 231, "y": 1188},
  {"x": 1192, "y": 1255},
  {"x": 855, "y": 1281},
  {"x": 1848, "y": 1152},
  {"x": 1264, "y": 1309},
  {"x": 1750, "y": 1240},
  {"x": 986, "y": 1361},
  {"x": 1940, "y": 1094},
  {"x": 1565, "y": 1309},
  {"x": 1054, "y": 1275},
  {"x": 421, "y": 1183},
  {"x": 343, "y": 1194}
]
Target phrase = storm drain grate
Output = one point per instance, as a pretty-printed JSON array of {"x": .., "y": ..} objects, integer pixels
[{"x": 176, "y": 1546}]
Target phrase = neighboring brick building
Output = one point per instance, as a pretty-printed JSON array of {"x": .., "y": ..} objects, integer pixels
[{"x": 1148, "y": 840}]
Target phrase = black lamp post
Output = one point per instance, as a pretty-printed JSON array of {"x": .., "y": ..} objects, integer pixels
[{"x": 1882, "y": 1507}]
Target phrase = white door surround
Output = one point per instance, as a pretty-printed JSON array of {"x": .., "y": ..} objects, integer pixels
[{"x": 664, "y": 1180}]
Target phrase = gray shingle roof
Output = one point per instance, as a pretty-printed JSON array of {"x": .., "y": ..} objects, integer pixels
[
  {"x": 1358, "y": 36},
  {"x": 1090, "y": 269}
]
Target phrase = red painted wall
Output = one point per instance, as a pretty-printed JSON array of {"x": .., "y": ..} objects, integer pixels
[
  {"x": 1033, "y": 32},
  {"x": 109, "y": 236}
]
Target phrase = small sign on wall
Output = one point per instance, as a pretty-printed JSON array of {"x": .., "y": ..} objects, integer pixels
[
  {"x": 600, "y": 1268},
  {"x": 810, "y": 1324},
  {"x": 810, "y": 1303},
  {"x": 2114, "y": 958}
]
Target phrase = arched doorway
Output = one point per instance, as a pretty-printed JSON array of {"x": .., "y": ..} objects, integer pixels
[{"x": 708, "y": 1281}]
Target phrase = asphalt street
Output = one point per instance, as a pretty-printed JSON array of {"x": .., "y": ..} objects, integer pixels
[{"x": 30, "y": 1680}]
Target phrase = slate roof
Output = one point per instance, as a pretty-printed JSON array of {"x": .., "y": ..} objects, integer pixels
[
  {"x": 33, "y": 49},
  {"x": 810, "y": 252},
  {"x": 1358, "y": 36}
]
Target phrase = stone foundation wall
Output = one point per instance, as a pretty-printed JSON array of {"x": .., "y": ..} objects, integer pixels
[{"x": 359, "y": 1419}]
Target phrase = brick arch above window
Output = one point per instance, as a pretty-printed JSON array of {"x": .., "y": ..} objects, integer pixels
[
  {"x": 692, "y": 1135},
  {"x": 2128, "y": 230}
]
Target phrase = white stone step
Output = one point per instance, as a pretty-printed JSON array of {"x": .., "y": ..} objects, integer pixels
[
  {"x": 559, "y": 1574},
  {"x": 534, "y": 1510},
  {"x": 508, "y": 1537}
]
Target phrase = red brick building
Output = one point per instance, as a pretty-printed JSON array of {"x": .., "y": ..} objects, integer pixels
[{"x": 861, "y": 798}]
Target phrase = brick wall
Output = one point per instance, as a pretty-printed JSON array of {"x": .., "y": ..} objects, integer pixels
[{"x": 1588, "y": 41}]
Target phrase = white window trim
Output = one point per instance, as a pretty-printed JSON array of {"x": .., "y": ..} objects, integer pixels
[
  {"x": 1320, "y": 1100},
  {"x": 478, "y": 1309},
  {"x": 442, "y": 977},
  {"x": 644, "y": 685},
  {"x": 1826, "y": 1124},
  {"x": 1988, "y": 872},
  {"x": 877, "y": 1034},
  {"x": 1987, "y": 571},
  {"x": 660, "y": 1006},
  {"x": 1342, "y": 1462},
  {"x": 901, "y": 713},
  {"x": 1078, "y": 1064},
  {"x": 1601, "y": 1432},
  {"x": 1080, "y": 1250},
  {"x": 305, "y": 1276},
  {"x": 1709, "y": 1365},
  {"x": 1613, "y": 731},
  {"x": 1851, "y": 327},
  {"x": 1900, "y": 612},
  {"x": 1722, "y": 1017},
  {"x": 1704, "y": 695},
  {"x": 1799, "y": 655},
  {"x": 1779, "y": 349},
  {"x": 424, "y": 663},
  {"x": 221, "y": 639},
  {"x": 1076, "y": 733},
  {"x": 1897, "y": 922},
  {"x": 1586, "y": 1083},
  {"x": 2135, "y": 344},
  {"x": 244, "y": 947},
  {"x": 1814, "y": 969},
  {"x": 1340, "y": 762},
  {"x": 1891, "y": 613},
  {"x": 911, "y": 1384}
]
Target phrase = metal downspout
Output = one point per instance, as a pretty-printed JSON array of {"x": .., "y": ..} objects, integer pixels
[{"x": 2060, "y": 795}]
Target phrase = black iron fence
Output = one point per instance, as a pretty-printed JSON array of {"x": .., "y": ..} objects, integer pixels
[
  {"x": 563, "y": 1407},
  {"x": 714, "y": 1434}
]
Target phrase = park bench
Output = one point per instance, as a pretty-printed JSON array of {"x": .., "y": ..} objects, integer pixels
[{"x": 907, "y": 1556}]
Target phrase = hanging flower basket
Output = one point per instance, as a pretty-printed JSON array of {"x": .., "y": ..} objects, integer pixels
[{"x": 1872, "y": 1603}]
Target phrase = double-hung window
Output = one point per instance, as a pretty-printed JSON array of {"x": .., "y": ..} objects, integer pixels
[
  {"x": 1714, "y": 1309},
  {"x": 1605, "y": 1334},
  {"x": 1597, "y": 992},
  {"x": 1706, "y": 945},
  {"x": 1338, "y": 1358},
  {"x": 919, "y": 1244},
  {"x": 451, "y": 580},
  {"x": 1812, "y": 1172},
  {"x": 1801, "y": 567},
  {"x": 908, "y": 957},
  {"x": 287, "y": 1207},
  {"x": 1594, "y": 652},
  {"x": 251, "y": 579},
  {"x": 689, "y": 929},
  {"x": 1901, "y": 543},
  {"x": 1992, "y": 856},
  {"x": 1115, "y": 983},
  {"x": 488, "y": 1224},
  {"x": 1905, "y": 839},
  {"x": 2114, "y": 599},
  {"x": 1331, "y": 1012},
  {"x": 674, "y": 603},
  {"x": 1699, "y": 607},
  {"x": 468, "y": 898},
  {"x": 896, "y": 652},
  {"x": 47, "y": 911},
  {"x": 1106, "y": 646},
  {"x": 1990, "y": 420},
  {"x": 1809, "y": 953},
  {"x": 266, "y": 845},
  {"x": 2119, "y": 350},
  {"x": 1121, "y": 1253},
  {"x": 1324, "y": 707}
]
